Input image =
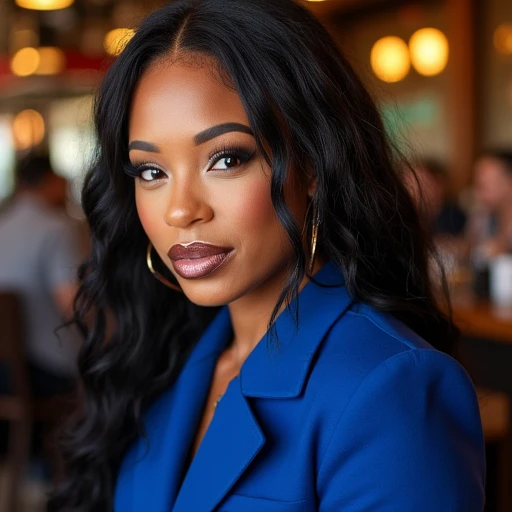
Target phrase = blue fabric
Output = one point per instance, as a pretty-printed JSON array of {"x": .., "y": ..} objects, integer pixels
[{"x": 353, "y": 412}]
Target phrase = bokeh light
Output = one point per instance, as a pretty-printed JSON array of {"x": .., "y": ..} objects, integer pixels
[
  {"x": 117, "y": 39},
  {"x": 25, "y": 61},
  {"x": 429, "y": 51},
  {"x": 52, "y": 61},
  {"x": 28, "y": 129},
  {"x": 390, "y": 59},
  {"x": 44, "y": 5}
]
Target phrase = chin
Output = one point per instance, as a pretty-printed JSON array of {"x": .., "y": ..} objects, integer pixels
[{"x": 206, "y": 296}]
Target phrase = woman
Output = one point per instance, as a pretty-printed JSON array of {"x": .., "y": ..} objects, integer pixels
[{"x": 242, "y": 161}]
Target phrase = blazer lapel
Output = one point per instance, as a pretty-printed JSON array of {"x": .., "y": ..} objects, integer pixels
[
  {"x": 280, "y": 370},
  {"x": 231, "y": 442},
  {"x": 234, "y": 437},
  {"x": 153, "y": 469}
]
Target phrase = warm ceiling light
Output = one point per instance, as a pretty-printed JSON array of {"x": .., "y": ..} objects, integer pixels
[
  {"x": 117, "y": 39},
  {"x": 25, "y": 61},
  {"x": 389, "y": 59},
  {"x": 44, "y": 5},
  {"x": 28, "y": 129},
  {"x": 503, "y": 38},
  {"x": 52, "y": 61},
  {"x": 429, "y": 51}
]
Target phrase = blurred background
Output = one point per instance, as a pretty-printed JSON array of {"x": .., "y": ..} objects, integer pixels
[{"x": 441, "y": 73}]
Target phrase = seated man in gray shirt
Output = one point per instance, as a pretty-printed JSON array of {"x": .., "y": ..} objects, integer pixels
[{"x": 38, "y": 258}]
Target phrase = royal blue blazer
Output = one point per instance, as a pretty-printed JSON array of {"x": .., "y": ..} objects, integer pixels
[{"x": 351, "y": 412}]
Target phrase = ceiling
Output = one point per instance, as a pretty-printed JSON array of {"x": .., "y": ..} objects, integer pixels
[
  {"x": 79, "y": 30},
  {"x": 82, "y": 26}
]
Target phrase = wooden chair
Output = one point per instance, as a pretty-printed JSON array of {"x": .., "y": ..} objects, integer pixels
[{"x": 19, "y": 408}]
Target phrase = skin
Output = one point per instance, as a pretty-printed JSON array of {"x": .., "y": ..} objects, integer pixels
[
  {"x": 493, "y": 184},
  {"x": 222, "y": 202},
  {"x": 493, "y": 193}
]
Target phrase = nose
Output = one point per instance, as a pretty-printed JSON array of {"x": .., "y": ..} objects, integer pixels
[{"x": 187, "y": 205}]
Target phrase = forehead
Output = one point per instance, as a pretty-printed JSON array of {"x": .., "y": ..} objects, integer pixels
[
  {"x": 182, "y": 97},
  {"x": 490, "y": 166}
]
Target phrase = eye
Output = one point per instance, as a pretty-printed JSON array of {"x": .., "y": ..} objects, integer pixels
[
  {"x": 230, "y": 158},
  {"x": 227, "y": 162},
  {"x": 151, "y": 174}
]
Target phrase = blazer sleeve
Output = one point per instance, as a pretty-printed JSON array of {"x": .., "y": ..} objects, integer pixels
[{"x": 409, "y": 439}]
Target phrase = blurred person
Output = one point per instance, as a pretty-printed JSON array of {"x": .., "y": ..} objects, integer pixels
[
  {"x": 38, "y": 258},
  {"x": 490, "y": 227},
  {"x": 244, "y": 175},
  {"x": 429, "y": 188},
  {"x": 443, "y": 219},
  {"x": 489, "y": 230}
]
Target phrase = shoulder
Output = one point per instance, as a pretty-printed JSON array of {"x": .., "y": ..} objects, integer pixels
[
  {"x": 39, "y": 218},
  {"x": 401, "y": 415},
  {"x": 363, "y": 338},
  {"x": 365, "y": 350}
]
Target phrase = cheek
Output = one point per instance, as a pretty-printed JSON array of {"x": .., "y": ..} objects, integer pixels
[
  {"x": 251, "y": 212},
  {"x": 148, "y": 213}
]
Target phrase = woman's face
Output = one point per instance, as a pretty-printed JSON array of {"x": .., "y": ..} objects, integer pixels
[
  {"x": 203, "y": 190},
  {"x": 493, "y": 184}
]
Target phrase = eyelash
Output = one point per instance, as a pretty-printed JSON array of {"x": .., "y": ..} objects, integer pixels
[{"x": 242, "y": 154}]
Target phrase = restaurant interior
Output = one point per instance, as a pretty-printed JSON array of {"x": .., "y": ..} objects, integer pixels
[{"x": 441, "y": 73}]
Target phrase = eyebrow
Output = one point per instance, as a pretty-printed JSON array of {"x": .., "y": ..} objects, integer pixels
[
  {"x": 143, "y": 146},
  {"x": 220, "y": 129},
  {"x": 200, "y": 138}
]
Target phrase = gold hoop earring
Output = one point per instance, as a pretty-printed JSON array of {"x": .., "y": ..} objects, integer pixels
[
  {"x": 159, "y": 276},
  {"x": 314, "y": 237}
]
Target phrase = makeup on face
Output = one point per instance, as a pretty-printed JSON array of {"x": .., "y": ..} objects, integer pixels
[
  {"x": 203, "y": 190},
  {"x": 197, "y": 259}
]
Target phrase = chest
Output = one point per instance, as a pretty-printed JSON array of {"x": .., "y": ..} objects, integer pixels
[{"x": 225, "y": 371}]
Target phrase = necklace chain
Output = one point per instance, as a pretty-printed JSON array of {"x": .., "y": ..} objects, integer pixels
[{"x": 219, "y": 397}]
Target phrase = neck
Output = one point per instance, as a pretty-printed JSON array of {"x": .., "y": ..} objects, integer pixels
[{"x": 251, "y": 314}]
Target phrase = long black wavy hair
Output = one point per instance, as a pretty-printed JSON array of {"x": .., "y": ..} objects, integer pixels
[{"x": 307, "y": 107}]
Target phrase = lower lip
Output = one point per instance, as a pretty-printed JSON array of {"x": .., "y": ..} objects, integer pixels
[{"x": 200, "y": 267}]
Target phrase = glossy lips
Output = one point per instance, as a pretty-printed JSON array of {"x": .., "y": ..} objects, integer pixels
[{"x": 197, "y": 259}]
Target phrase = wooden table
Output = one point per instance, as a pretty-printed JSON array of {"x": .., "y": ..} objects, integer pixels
[
  {"x": 482, "y": 319},
  {"x": 491, "y": 326}
]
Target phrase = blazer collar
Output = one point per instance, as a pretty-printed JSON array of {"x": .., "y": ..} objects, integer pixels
[
  {"x": 152, "y": 472},
  {"x": 286, "y": 359}
]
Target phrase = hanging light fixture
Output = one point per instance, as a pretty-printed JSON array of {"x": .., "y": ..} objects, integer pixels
[
  {"x": 389, "y": 59},
  {"x": 44, "y": 5},
  {"x": 429, "y": 51}
]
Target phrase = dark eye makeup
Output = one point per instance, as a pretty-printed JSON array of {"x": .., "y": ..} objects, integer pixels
[{"x": 232, "y": 156}]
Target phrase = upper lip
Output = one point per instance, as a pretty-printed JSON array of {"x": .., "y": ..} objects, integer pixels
[{"x": 195, "y": 250}]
